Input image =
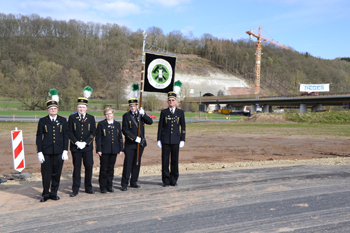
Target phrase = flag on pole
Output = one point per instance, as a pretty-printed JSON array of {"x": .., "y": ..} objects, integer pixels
[{"x": 159, "y": 73}]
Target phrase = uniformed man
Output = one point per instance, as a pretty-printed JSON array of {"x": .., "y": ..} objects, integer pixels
[
  {"x": 130, "y": 131},
  {"x": 52, "y": 146},
  {"x": 109, "y": 143},
  {"x": 170, "y": 139},
  {"x": 81, "y": 130}
]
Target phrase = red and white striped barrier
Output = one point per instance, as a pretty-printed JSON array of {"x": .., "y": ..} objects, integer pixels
[{"x": 17, "y": 150}]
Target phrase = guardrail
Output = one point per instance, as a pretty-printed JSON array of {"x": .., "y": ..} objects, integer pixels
[
  {"x": 221, "y": 97},
  {"x": 253, "y": 96}
]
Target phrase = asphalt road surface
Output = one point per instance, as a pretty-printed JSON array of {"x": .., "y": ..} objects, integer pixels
[{"x": 307, "y": 198}]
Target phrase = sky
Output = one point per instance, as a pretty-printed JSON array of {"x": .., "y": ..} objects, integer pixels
[{"x": 319, "y": 27}]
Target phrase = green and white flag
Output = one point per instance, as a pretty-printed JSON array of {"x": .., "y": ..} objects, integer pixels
[{"x": 159, "y": 73}]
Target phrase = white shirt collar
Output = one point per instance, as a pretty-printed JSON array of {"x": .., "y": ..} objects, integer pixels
[
  {"x": 53, "y": 118},
  {"x": 171, "y": 109}
]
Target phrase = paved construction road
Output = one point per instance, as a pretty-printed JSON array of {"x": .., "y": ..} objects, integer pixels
[{"x": 307, "y": 198}]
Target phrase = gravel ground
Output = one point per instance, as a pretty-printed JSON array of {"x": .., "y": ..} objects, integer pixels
[{"x": 200, "y": 167}]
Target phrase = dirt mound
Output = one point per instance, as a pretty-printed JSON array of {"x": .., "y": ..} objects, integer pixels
[{"x": 269, "y": 118}]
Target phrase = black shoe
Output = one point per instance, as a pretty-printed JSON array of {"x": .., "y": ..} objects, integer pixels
[
  {"x": 54, "y": 197},
  {"x": 103, "y": 191},
  {"x": 73, "y": 194},
  {"x": 111, "y": 190},
  {"x": 124, "y": 188},
  {"x": 90, "y": 191},
  {"x": 165, "y": 185},
  {"x": 43, "y": 199},
  {"x": 135, "y": 185},
  {"x": 174, "y": 184}
]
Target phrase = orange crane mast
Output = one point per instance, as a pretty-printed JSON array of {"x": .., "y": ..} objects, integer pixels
[{"x": 258, "y": 55}]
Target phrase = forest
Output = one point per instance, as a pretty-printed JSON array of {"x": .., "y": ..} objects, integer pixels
[{"x": 37, "y": 54}]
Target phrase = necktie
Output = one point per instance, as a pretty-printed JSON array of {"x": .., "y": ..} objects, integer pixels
[
  {"x": 53, "y": 120},
  {"x": 172, "y": 111}
]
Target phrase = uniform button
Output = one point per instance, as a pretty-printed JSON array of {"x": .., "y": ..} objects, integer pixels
[
  {"x": 172, "y": 125},
  {"x": 53, "y": 137},
  {"x": 112, "y": 142},
  {"x": 53, "y": 127},
  {"x": 53, "y": 130},
  {"x": 53, "y": 141}
]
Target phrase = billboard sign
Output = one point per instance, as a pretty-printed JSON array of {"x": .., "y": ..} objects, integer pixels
[{"x": 314, "y": 87}]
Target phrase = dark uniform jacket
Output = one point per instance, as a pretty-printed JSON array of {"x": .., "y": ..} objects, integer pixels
[
  {"x": 169, "y": 126},
  {"x": 130, "y": 126},
  {"x": 109, "y": 139},
  {"x": 82, "y": 131},
  {"x": 52, "y": 137}
]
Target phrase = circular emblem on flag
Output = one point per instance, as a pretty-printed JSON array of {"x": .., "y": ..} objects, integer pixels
[{"x": 160, "y": 73}]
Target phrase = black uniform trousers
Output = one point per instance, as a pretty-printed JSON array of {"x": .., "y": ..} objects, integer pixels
[
  {"x": 51, "y": 174},
  {"x": 88, "y": 162},
  {"x": 130, "y": 166},
  {"x": 107, "y": 162},
  {"x": 170, "y": 151}
]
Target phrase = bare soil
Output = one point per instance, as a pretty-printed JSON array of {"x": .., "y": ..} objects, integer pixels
[{"x": 223, "y": 149}]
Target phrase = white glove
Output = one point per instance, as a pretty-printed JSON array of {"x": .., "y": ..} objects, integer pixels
[
  {"x": 141, "y": 111},
  {"x": 159, "y": 144},
  {"x": 182, "y": 143},
  {"x": 80, "y": 145},
  {"x": 138, "y": 139},
  {"x": 41, "y": 157},
  {"x": 65, "y": 155},
  {"x": 83, "y": 144}
]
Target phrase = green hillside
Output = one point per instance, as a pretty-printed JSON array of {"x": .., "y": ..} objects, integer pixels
[{"x": 37, "y": 54}]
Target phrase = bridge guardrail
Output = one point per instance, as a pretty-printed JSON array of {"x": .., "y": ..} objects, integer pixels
[{"x": 253, "y": 96}]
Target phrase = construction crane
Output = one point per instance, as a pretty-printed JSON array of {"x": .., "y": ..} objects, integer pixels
[{"x": 258, "y": 55}]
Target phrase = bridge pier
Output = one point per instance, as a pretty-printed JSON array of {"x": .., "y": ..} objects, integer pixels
[
  {"x": 252, "y": 109},
  {"x": 317, "y": 107},
  {"x": 267, "y": 108},
  {"x": 303, "y": 108}
]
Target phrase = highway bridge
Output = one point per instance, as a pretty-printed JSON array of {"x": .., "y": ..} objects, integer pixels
[{"x": 315, "y": 102}]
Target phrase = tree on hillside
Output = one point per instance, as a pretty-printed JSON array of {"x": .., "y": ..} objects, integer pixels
[{"x": 31, "y": 84}]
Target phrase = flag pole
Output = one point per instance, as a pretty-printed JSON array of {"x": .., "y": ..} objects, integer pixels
[{"x": 141, "y": 90}]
